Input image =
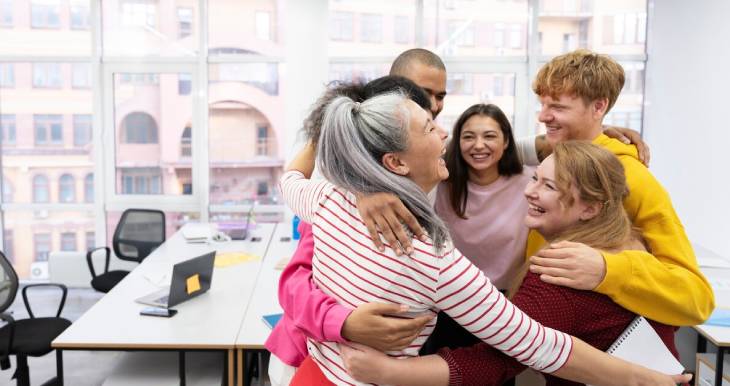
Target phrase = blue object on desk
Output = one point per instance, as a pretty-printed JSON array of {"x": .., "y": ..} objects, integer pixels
[
  {"x": 295, "y": 228},
  {"x": 272, "y": 319},
  {"x": 720, "y": 317}
]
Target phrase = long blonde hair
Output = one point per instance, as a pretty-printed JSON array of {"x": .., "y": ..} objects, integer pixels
[{"x": 599, "y": 179}]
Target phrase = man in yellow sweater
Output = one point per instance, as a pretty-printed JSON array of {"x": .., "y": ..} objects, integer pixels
[{"x": 576, "y": 90}]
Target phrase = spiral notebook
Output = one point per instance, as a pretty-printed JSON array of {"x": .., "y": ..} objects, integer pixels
[{"x": 641, "y": 345}]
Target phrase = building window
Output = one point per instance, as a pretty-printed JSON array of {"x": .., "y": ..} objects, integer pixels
[
  {"x": 186, "y": 143},
  {"x": 89, "y": 188},
  {"x": 6, "y": 13},
  {"x": 7, "y": 75},
  {"x": 569, "y": 42},
  {"x": 187, "y": 188},
  {"x": 48, "y": 129},
  {"x": 139, "y": 128},
  {"x": 515, "y": 36},
  {"x": 45, "y": 14},
  {"x": 68, "y": 241},
  {"x": 66, "y": 189},
  {"x": 341, "y": 26},
  {"x": 401, "y": 30},
  {"x": 139, "y": 13},
  {"x": 371, "y": 28},
  {"x": 184, "y": 83},
  {"x": 7, "y": 124},
  {"x": 141, "y": 181},
  {"x": 42, "y": 246},
  {"x": 262, "y": 139},
  {"x": 81, "y": 75},
  {"x": 40, "y": 189},
  {"x": 262, "y": 188},
  {"x": 7, "y": 191},
  {"x": 90, "y": 240},
  {"x": 8, "y": 244},
  {"x": 460, "y": 84},
  {"x": 47, "y": 75},
  {"x": 499, "y": 35},
  {"x": 79, "y": 16},
  {"x": 263, "y": 25},
  {"x": 498, "y": 85},
  {"x": 184, "y": 22},
  {"x": 82, "y": 129}
]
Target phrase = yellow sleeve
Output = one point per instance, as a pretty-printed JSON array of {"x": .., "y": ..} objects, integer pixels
[{"x": 666, "y": 284}]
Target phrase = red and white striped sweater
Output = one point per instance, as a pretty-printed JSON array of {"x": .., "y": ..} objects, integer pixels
[{"x": 348, "y": 267}]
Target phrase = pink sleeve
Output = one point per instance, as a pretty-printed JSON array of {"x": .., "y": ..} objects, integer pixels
[{"x": 318, "y": 315}]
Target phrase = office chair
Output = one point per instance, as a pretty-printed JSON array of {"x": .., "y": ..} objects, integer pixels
[
  {"x": 138, "y": 233},
  {"x": 25, "y": 337}
]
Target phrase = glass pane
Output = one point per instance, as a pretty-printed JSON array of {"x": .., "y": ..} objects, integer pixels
[
  {"x": 610, "y": 27},
  {"x": 466, "y": 89},
  {"x": 45, "y": 27},
  {"x": 150, "y": 27},
  {"x": 39, "y": 144},
  {"x": 37, "y": 233},
  {"x": 246, "y": 110},
  {"x": 150, "y": 116},
  {"x": 245, "y": 27}
]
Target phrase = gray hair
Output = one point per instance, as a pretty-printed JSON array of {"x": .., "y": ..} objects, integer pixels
[{"x": 355, "y": 136}]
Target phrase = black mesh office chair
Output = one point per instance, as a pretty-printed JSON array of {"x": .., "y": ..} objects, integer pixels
[
  {"x": 25, "y": 337},
  {"x": 138, "y": 233}
]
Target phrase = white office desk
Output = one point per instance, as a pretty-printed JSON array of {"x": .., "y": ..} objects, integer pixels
[
  {"x": 253, "y": 332},
  {"x": 717, "y": 335},
  {"x": 208, "y": 322}
]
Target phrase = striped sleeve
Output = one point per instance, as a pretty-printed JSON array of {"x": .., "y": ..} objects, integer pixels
[
  {"x": 301, "y": 194},
  {"x": 465, "y": 294}
]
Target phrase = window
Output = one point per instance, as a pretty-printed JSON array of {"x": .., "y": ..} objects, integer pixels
[
  {"x": 7, "y": 191},
  {"x": 82, "y": 129},
  {"x": 186, "y": 148},
  {"x": 263, "y": 25},
  {"x": 139, "y": 13},
  {"x": 47, "y": 75},
  {"x": 45, "y": 14},
  {"x": 7, "y": 124},
  {"x": 48, "y": 129},
  {"x": 401, "y": 32},
  {"x": 184, "y": 22},
  {"x": 515, "y": 36},
  {"x": 139, "y": 128},
  {"x": 9, "y": 247},
  {"x": 7, "y": 75},
  {"x": 89, "y": 188},
  {"x": 90, "y": 240},
  {"x": 6, "y": 13},
  {"x": 79, "y": 16},
  {"x": 371, "y": 28},
  {"x": 569, "y": 42},
  {"x": 42, "y": 246},
  {"x": 68, "y": 241},
  {"x": 66, "y": 189},
  {"x": 264, "y": 76},
  {"x": 262, "y": 140},
  {"x": 40, "y": 189},
  {"x": 341, "y": 26},
  {"x": 498, "y": 35},
  {"x": 460, "y": 84},
  {"x": 262, "y": 188},
  {"x": 141, "y": 181},
  {"x": 81, "y": 75},
  {"x": 498, "y": 85},
  {"x": 184, "y": 83}
]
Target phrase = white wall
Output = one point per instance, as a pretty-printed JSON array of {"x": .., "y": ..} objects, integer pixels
[{"x": 686, "y": 116}]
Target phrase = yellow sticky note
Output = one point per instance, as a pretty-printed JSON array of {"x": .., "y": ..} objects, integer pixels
[{"x": 193, "y": 283}]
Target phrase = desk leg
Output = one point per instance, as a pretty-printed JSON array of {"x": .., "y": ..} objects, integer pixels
[
  {"x": 231, "y": 354},
  {"x": 59, "y": 367},
  {"x": 181, "y": 368},
  {"x": 701, "y": 343},
  {"x": 239, "y": 367},
  {"x": 718, "y": 365}
]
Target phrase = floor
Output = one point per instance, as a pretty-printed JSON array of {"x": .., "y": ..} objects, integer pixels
[{"x": 82, "y": 368}]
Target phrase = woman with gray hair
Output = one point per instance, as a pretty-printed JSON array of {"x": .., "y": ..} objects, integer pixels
[{"x": 390, "y": 144}]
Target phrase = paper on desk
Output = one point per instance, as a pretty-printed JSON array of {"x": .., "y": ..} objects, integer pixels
[
  {"x": 159, "y": 278},
  {"x": 712, "y": 262},
  {"x": 226, "y": 259}
]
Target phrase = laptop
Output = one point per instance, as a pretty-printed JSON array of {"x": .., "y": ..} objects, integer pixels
[{"x": 190, "y": 278}]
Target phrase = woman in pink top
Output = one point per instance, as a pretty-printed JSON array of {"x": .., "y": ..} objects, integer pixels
[{"x": 388, "y": 143}]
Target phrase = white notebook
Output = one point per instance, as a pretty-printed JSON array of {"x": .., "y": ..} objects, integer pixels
[{"x": 641, "y": 345}]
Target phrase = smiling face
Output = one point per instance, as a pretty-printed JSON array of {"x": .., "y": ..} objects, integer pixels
[
  {"x": 571, "y": 118},
  {"x": 546, "y": 212},
  {"x": 432, "y": 80},
  {"x": 422, "y": 161},
  {"x": 482, "y": 145}
]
